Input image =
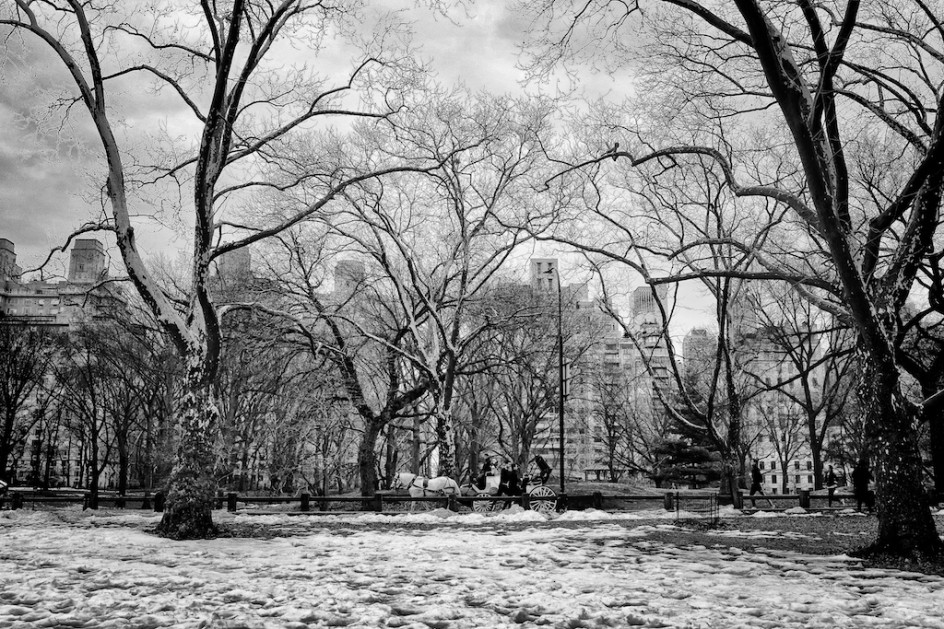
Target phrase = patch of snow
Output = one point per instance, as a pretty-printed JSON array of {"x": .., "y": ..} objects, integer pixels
[{"x": 69, "y": 569}]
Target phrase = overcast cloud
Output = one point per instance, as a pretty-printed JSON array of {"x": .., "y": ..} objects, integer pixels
[{"x": 48, "y": 177}]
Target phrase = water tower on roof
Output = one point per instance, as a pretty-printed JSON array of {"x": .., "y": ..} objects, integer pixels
[
  {"x": 87, "y": 261},
  {"x": 8, "y": 267}
]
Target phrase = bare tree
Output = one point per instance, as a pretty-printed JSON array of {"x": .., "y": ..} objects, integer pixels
[
  {"x": 26, "y": 356},
  {"x": 355, "y": 327},
  {"x": 248, "y": 109},
  {"x": 835, "y": 84},
  {"x": 649, "y": 236},
  {"x": 630, "y": 421},
  {"x": 86, "y": 382},
  {"x": 441, "y": 238},
  {"x": 812, "y": 378}
]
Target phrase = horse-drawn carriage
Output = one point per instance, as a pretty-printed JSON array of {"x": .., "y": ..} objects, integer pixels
[
  {"x": 541, "y": 498},
  {"x": 484, "y": 496}
]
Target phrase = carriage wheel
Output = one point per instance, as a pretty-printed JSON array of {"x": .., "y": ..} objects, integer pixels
[
  {"x": 543, "y": 499},
  {"x": 484, "y": 506}
]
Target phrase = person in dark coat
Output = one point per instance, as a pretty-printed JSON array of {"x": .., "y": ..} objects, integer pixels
[
  {"x": 543, "y": 467},
  {"x": 514, "y": 482},
  {"x": 504, "y": 481},
  {"x": 757, "y": 484},
  {"x": 482, "y": 481},
  {"x": 861, "y": 476},
  {"x": 831, "y": 484}
]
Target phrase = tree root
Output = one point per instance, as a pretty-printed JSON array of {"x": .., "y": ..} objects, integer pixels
[
  {"x": 187, "y": 523},
  {"x": 903, "y": 556}
]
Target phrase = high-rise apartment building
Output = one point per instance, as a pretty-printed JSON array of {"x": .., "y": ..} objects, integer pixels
[{"x": 66, "y": 303}]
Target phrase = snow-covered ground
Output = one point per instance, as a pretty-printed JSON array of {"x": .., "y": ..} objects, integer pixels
[{"x": 75, "y": 569}]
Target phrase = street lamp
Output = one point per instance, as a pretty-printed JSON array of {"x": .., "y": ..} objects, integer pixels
[{"x": 560, "y": 374}]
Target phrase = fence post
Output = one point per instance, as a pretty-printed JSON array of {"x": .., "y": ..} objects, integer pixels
[
  {"x": 231, "y": 503},
  {"x": 525, "y": 501},
  {"x": 804, "y": 498},
  {"x": 451, "y": 503},
  {"x": 669, "y": 506},
  {"x": 597, "y": 500},
  {"x": 739, "y": 499},
  {"x": 159, "y": 502},
  {"x": 306, "y": 504},
  {"x": 378, "y": 502}
]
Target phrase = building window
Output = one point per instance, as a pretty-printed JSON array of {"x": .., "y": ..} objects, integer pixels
[
  {"x": 773, "y": 479},
  {"x": 809, "y": 465},
  {"x": 796, "y": 465},
  {"x": 761, "y": 465},
  {"x": 809, "y": 479}
]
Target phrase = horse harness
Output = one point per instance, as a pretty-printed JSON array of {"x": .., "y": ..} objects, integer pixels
[{"x": 424, "y": 486}]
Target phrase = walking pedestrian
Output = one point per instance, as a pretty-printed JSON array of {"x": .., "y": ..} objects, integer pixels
[
  {"x": 861, "y": 476},
  {"x": 831, "y": 484},
  {"x": 757, "y": 480}
]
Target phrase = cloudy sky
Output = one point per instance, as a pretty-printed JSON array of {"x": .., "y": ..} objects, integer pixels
[{"x": 49, "y": 170}]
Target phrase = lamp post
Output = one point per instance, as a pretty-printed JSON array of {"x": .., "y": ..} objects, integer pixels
[{"x": 560, "y": 374}]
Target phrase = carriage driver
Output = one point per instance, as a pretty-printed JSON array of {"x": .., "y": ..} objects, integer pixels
[{"x": 543, "y": 466}]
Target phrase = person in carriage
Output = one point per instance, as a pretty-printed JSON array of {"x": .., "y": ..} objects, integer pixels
[
  {"x": 488, "y": 481},
  {"x": 481, "y": 481},
  {"x": 509, "y": 484},
  {"x": 543, "y": 467}
]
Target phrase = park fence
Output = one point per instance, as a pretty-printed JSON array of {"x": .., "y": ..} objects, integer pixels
[{"x": 702, "y": 505}]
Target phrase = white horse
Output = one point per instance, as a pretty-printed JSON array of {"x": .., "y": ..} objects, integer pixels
[{"x": 421, "y": 486}]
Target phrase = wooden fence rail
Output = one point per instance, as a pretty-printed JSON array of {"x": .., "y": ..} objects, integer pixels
[{"x": 382, "y": 502}]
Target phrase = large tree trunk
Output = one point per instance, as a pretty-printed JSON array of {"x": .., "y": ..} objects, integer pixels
[
  {"x": 188, "y": 511},
  {"x": 816, "y": 453},
  {"x": 95, "y": 473},
  {"x": 367, "y": 457},
  {"x": 392, "y": 459},
  {"x": 446, "y": 442},
  {"x": 6, "y": 445},
  {"x": 124, "y": 462},
  {"x": 906, "y": 527}
]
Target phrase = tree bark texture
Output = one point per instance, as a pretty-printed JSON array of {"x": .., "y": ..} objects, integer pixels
[
  {"x": 906, "y": 527},
  {"x": 188, "y": 511},
  {"x": 367, "y": 457},
  {"x": 446, "y": 442}
]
